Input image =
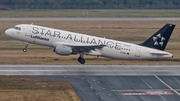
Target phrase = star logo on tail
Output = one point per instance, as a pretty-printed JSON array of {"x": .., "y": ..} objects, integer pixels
[{"x": 158, "y": 40}]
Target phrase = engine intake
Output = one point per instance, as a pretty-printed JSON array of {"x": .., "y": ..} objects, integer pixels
[{"x": 63, "y": 50}]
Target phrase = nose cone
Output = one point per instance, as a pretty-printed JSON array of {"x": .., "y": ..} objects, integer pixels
[{"x": 8, "y": 32}]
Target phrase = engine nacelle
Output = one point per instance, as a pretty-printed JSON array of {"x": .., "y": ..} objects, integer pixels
[{"x": 62, "y": 50}]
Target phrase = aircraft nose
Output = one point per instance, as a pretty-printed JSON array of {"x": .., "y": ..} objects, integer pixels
[{"x": 8, "y": 32}]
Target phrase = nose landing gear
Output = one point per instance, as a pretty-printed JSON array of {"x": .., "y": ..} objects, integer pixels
[{"x": 25, "y": 48}]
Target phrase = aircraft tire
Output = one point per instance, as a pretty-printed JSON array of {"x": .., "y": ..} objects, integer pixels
[
  {"x": 81, "y": 60},
  {"x": 24, "y": 50}
]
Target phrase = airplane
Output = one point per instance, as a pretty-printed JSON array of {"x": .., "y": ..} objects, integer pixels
[{"x": 67, "y": 43}]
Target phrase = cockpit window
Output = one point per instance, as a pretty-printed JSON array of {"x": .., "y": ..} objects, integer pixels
[{"x": 17, "y": 28}]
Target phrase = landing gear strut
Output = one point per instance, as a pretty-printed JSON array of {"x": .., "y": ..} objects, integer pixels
[
  {"x": 25, "y": 48},
  {"x": 81, "y": 59}
]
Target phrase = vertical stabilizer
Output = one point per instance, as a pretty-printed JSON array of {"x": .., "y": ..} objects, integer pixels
[{"x": 160, "y": 39}]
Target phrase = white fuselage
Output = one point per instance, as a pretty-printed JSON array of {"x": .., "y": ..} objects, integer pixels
[{"x": 113, "y": 49}]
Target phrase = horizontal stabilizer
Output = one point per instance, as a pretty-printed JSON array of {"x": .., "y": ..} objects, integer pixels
[{"x": 158, "y": 53}]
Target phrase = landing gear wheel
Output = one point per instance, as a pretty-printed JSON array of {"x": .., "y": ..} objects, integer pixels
[
  {"x": 24, "y": 50},
  {"x": 81, "y": 60}
]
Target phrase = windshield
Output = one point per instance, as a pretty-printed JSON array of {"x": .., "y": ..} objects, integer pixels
[{"x": 17, "y": 28}]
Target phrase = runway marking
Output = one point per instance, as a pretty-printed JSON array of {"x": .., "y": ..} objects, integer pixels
[
  {"x": 166, "y": 84},
  {"x": 143, "y": 90},
  {"x": 148, "y": 93},
  {"x": 31, "y": 70}
]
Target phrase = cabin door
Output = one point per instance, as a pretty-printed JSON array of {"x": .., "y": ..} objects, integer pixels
[
  {"x": 29, "y": 29},
  {"x": 138, "y": 51}
]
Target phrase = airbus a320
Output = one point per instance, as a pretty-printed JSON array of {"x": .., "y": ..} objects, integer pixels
[{"x": 67, "y": 43}]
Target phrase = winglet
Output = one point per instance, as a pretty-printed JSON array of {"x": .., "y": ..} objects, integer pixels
[{"x": 160, "y": 39}]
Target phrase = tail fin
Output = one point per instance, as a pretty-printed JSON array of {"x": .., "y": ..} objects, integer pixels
[{"x": 160, "y": 39}]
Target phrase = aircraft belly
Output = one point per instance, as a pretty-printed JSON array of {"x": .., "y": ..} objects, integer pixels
[
  {"x": 117, "y": 54},
  {"x": 132, "y": 55}
]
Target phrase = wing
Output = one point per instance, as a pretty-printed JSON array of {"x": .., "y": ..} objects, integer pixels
[
  {"x": 81, "y": 48},
  {"x": 85, "y": 48}
]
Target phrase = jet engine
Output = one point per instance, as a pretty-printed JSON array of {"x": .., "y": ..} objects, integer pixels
[{"x": 62, "y": 50}]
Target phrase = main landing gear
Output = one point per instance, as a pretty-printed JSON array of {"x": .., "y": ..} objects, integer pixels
[
  {"x": 25, "y": 48},
  {"x": 81, "y": 59}
]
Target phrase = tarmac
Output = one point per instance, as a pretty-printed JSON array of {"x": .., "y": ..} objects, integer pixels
[
  {"x": 89, "y": 19},
  {"x": 109, "y": 82}
]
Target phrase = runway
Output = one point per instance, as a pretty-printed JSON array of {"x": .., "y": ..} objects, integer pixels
[
  {"x": 92, "y": 70},
  {"x": 109, "y": 82},
  {"x": 89, "y": 19}
]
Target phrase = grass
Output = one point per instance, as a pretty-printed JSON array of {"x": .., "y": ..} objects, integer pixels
[
  {"x": 90, "y": 13},
  {"x": 130, "y": 31},
  {"x": 35, "y": 89}
]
